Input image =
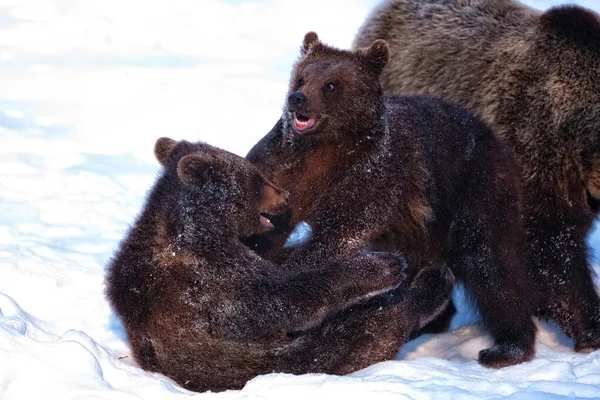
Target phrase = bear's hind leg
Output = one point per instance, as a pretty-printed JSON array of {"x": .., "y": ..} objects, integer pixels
[
  {"x": 501, "y": 302},
  {"x": 142, "y": 348},
  {"x": 557, "y": 253},
  {"x": 373, "y": 331},
  {"x": 487, "y": 252}
]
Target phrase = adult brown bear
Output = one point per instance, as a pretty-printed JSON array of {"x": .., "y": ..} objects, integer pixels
[
  {"x": 416, "y": 175},
  {"x": 535, "y": 78},
  {"x": 203, "y": 309}
]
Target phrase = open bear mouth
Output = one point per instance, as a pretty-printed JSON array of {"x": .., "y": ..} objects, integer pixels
[
  {"x": 302, "y": 122},
  {"x": 265, "y": 220}
]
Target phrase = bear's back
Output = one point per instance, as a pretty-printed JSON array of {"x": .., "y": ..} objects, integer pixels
[
  {"x": 449, "y": 139},
  {"x": 446, "y": 33}
]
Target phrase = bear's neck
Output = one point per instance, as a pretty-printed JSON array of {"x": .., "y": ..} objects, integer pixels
[
  {"x": 313, "y": 166},
  {"x": 346, "y": 143},
  {"x": 196, "y": 222}
]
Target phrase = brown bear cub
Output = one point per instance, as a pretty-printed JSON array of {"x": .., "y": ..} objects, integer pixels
[
  {"x": 413, "y": 175},
  {"x": 203, "y": 309},
  {"x": 535, "y": 78}
]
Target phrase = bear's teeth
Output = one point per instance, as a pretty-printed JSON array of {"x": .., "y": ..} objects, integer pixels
[
  {"x": 301, "y": 125},
  {"x": 266, "y": 222}
]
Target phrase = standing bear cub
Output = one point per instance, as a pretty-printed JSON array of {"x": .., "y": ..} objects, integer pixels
[
  {"x": 203, "y": 309},
  {"x": 535, "y": 78},
  {"x": 413, "y": 175}
]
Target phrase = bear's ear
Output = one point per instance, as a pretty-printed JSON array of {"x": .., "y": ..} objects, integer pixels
[
  {"x": 377, "y": 56},
  {"x": 163, "y": 149},
  {"x": 310, "y": 39},
  {"x": 199, "y": 169},
  {"x": 573, "y": 23}
]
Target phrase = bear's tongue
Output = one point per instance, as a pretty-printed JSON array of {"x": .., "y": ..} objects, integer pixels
[
  {"x": 266, "y": 223},
  {"x": 301, "y": 122}
]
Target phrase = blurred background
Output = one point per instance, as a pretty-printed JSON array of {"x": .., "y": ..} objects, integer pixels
[{"x": 110, "y": 77}]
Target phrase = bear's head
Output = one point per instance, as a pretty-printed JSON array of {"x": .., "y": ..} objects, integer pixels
[
  {"x": 211, "y": 185},
  {"x": 333, "y": 90},
  {"x": 568, "y": 49}
]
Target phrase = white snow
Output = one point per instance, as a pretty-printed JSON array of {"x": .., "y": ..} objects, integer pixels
[{"x": 85, "y": 90}]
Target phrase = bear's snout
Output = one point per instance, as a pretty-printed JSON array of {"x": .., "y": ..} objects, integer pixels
[
  {"x": 274, "y": 199},
  {"x": 296, "y": 100}
]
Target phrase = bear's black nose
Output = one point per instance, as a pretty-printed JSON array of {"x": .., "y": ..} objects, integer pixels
[{"x": 295, "y": 100}]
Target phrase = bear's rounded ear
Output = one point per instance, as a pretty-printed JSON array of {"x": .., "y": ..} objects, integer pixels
[
  {"x": 573, "y": 23},
  {"x": 163, "y": 149},
  {"x": 199, "y": 169},
  {"x": 310, "y": 39},
  {"x": 377, "y": 56}
]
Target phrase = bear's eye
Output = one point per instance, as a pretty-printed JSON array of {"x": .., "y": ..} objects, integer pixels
[
  {"x": 299, "y": 82},
  {"x": 330, "y": 87}
]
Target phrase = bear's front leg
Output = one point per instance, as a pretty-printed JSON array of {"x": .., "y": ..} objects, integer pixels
[
  {"x": 294, "y": 301},
  {"x": 344, "y": 224}
]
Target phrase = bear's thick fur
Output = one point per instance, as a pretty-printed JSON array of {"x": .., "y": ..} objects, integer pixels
[
  {"x": 415, "y": 175},
  {"x": 535, "y": 78},
  {"x": 203, "y": 309}
]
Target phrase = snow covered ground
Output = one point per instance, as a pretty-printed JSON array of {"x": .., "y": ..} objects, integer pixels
[{"x": 86, "y": 87}]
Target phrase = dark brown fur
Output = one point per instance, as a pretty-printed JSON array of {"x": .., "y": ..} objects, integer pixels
[
  {"x": 535, "y": 78},
  {"x": 415, "y": 175},
  {"x": 203, "y": 309}
]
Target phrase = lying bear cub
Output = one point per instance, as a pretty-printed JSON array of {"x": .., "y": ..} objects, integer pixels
[{"x": 205, "y": 310}]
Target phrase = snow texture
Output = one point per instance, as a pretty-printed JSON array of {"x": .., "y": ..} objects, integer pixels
[
  {"x": 86, "y": 89},
  {"x": 299, "y": 235}
]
